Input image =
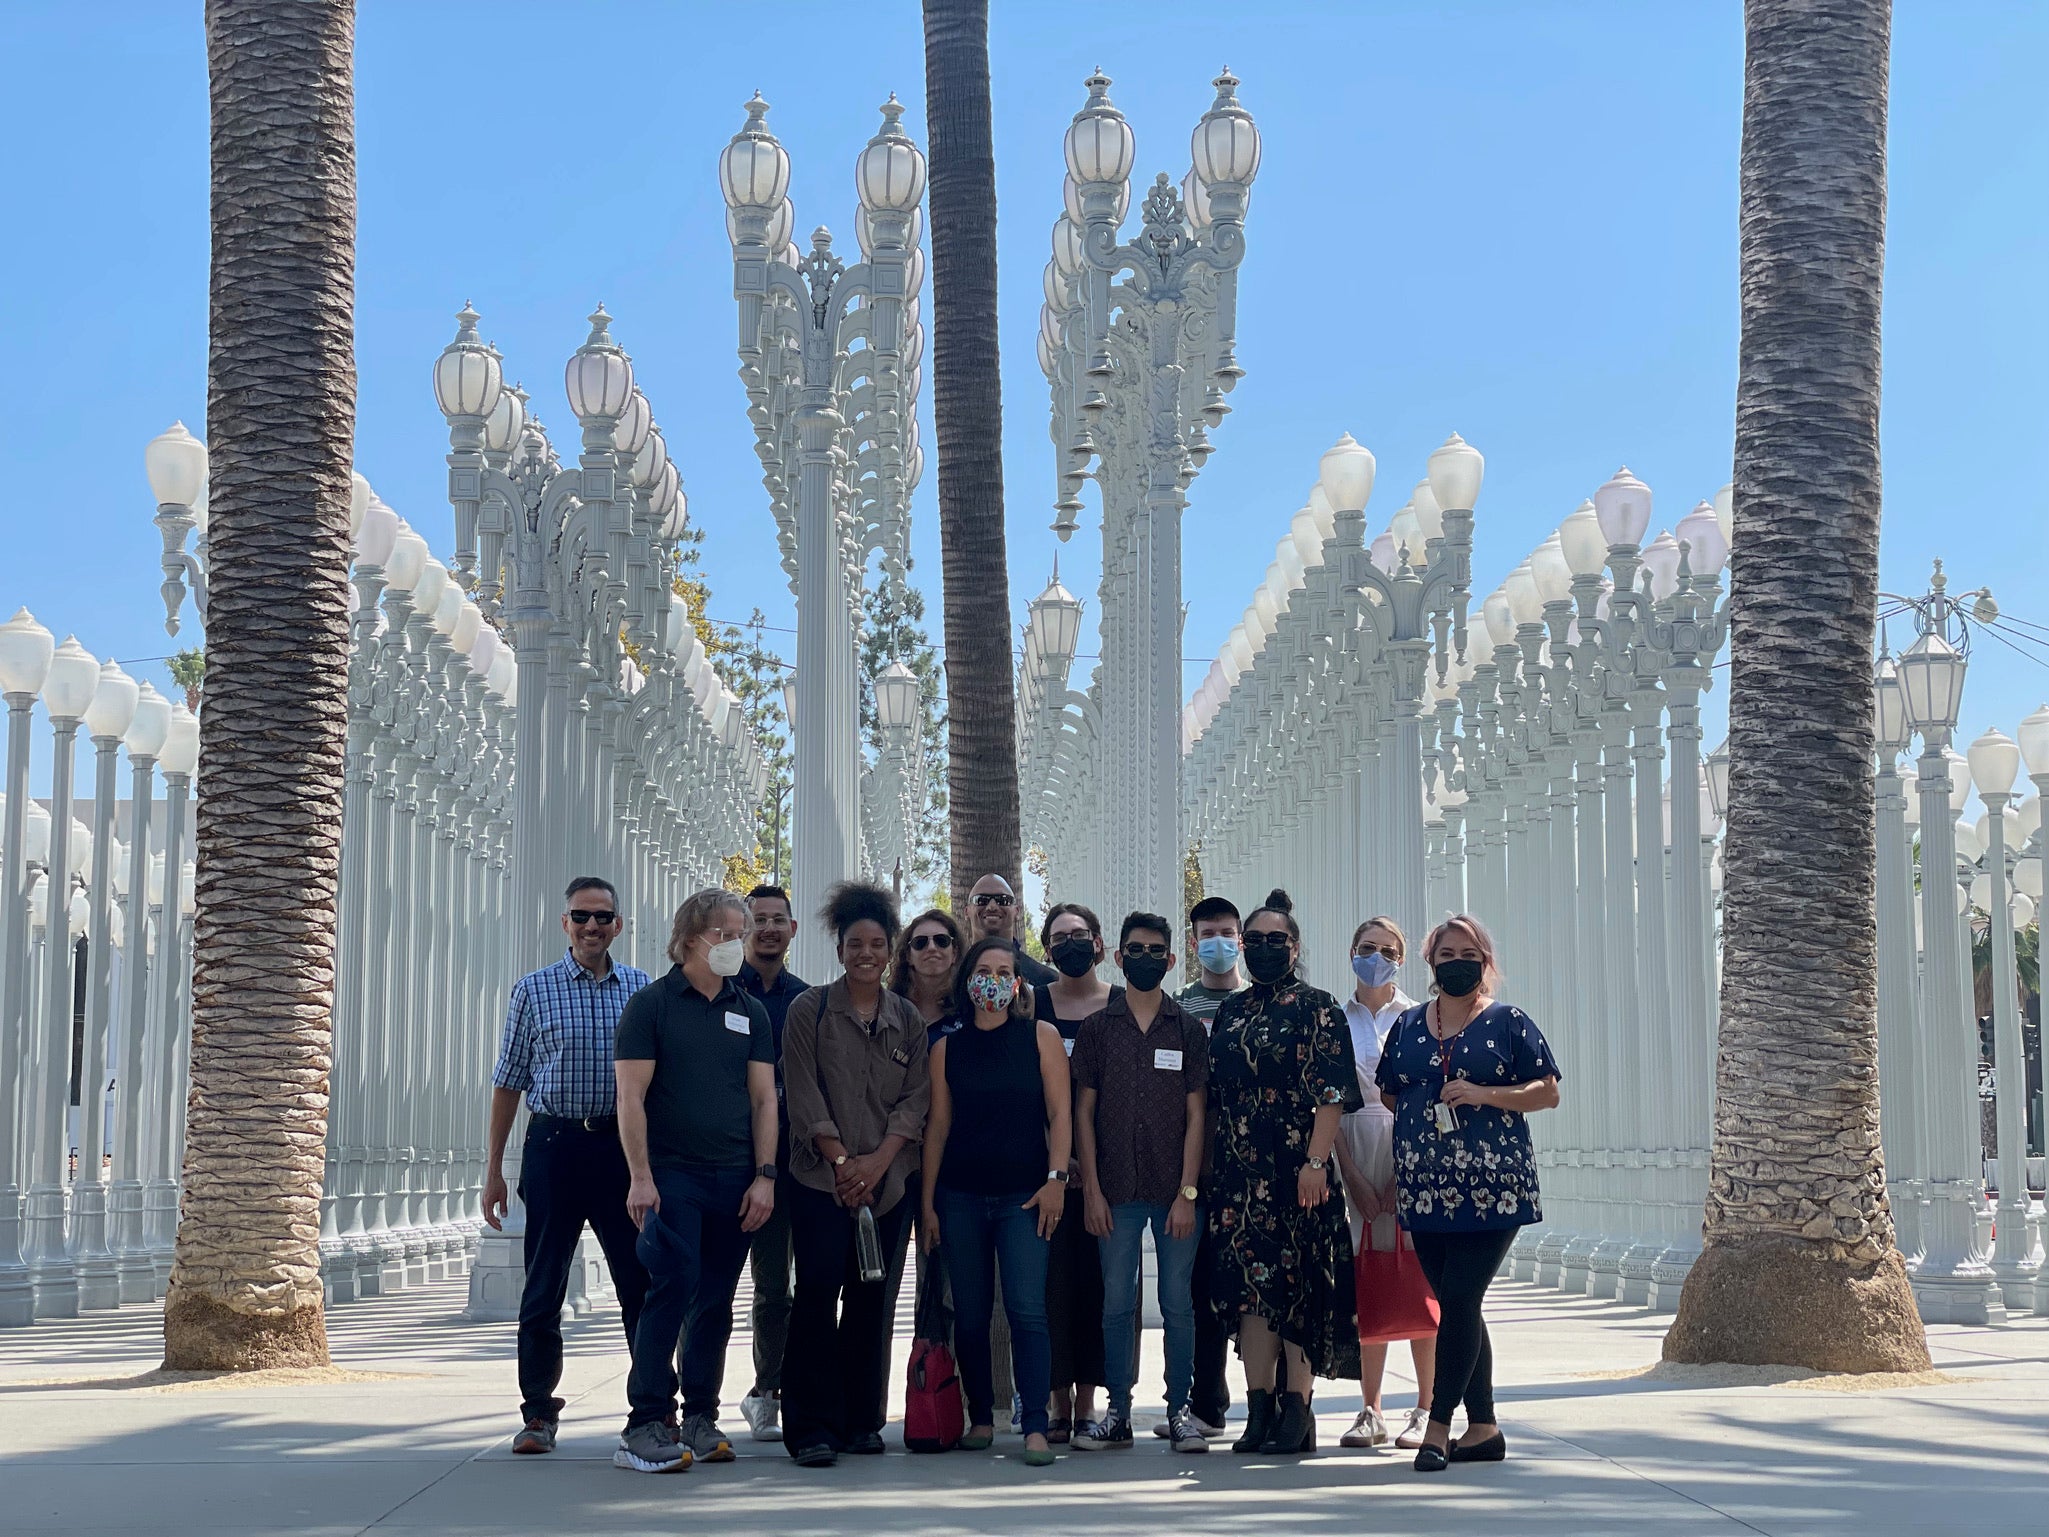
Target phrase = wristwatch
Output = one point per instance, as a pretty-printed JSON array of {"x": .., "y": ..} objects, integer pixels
[
  {"x": 766, "y": 1171},
  {"x": 1318, "y": 1163},
  {"x": 1189, "y": 1192},
  {"x": 1059, "y": 1174},
  {"x": 839, "y": 1160}
]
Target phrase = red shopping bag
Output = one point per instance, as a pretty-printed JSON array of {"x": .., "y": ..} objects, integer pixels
[
  {"x": 934, "y": 1415},
  {"x": 1395, "y": 1301}
]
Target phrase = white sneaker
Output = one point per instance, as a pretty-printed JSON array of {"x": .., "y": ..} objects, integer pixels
[
  {"x": 761, "y": 1411},
  {"x": 1412, "y": 1432},
  {"x": 1369, "y": 1429}
]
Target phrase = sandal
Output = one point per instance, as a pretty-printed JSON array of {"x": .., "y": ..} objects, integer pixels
[{"x": 1059, "y": 1432}]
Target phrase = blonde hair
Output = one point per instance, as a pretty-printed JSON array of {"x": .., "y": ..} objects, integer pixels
[
  {"x": 1401, "y": 940},
  {"x": 1476, "y": 931},
  {"x": 695, "y": 916}
]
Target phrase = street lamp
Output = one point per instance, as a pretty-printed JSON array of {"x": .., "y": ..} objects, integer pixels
[{"x": 175, "y": 462}]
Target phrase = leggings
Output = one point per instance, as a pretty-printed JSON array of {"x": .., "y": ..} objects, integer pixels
[{"x": 1459, "y": 1266}]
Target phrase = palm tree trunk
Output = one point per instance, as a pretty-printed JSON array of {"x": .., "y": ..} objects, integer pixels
[
  {"x": 1799, "y": 1264},
  {"x": 967, "y": 408},
  {"x": 281, "y": 415}
]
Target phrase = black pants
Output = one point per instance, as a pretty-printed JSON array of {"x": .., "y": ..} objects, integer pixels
[
  {"x": 688, "y": 1317},
  {"x": 838, "y": 1358},
  {"x": 1459, "y": 1267},
  {"x": 569, "y": 1176},
  {"x": 1210, "y": 1399},
  {"x": 1074, "y": 1299}
]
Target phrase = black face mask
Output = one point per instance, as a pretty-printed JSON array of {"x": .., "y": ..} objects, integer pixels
[
  {"x": 1268, "y": 963},
  {"x": 1455, "y": 979},
  {"x": 1144, "y": 971},
  {"x": 1075, "y": 956}
]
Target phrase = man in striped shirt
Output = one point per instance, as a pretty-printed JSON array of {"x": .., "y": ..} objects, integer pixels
[{"x": 557, "y": 1050}]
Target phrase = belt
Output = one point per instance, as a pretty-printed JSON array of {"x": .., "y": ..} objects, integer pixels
[{"x": 587, "y": 1122}]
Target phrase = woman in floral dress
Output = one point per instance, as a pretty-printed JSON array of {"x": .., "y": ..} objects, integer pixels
[{"x": 1281, "y": 1076}]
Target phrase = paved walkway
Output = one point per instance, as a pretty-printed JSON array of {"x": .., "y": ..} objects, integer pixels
[{"x": 427, "y": 1450}]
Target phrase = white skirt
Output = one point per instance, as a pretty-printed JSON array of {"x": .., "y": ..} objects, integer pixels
[{"x": 1369, "y": 1142}]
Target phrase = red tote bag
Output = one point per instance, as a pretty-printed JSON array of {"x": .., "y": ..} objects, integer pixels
[{"x": 1395, "y": 1301}]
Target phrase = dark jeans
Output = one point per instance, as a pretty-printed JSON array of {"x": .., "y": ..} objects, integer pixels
[
  {"x": 768, "y": 1261},
  {"x": 1209, "y": 1399},
  {"x": 982, "y": 1233},
  {"x": 833, "y": 1384},
  {"x": 1459, "y": 1267},
  {"x": 568, "y": 1177},
  {"x": 688, "y": 1315},
  {"x": 1074, "y": 1300}
]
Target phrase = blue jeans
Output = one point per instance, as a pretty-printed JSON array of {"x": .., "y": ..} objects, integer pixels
[
  {"x": 980, "y": 1233},
  {"x": 1123, "y": 1256},
  {"x": 688, "y": 1315}
]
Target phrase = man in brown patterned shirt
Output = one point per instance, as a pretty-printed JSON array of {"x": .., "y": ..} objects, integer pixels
[{"x": 1141, "y": 1065}]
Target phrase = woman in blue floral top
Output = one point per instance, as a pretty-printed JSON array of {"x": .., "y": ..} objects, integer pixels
[
  {"x": 1280, "y": 1077},
  {"x": 1461, "y": 1074}
]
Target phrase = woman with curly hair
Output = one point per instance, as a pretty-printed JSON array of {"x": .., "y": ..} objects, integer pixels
[{"x": 1281, "y": 1075}]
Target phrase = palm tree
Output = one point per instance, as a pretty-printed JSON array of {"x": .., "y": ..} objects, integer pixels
[
  {"x": 1799, "y": 1265},
  {"x": 967, "y": 408},
  {"x": 281, "y": 416}
]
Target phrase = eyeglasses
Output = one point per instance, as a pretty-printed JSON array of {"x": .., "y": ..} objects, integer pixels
[
  {"x": 1135, "y": 951},
  {"x": 1387, "y": 950},
  {"x": 994, "y": 899},
  {"x": 580, "y": 917},
  {"x": 1275, "y": 939},
  {"x": 940, "y": 941}
]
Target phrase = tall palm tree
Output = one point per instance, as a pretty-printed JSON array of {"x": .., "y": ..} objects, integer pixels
[
  {"x": 1799, "y": 1264},
  {"x": 967, "y": 408},
  {"x": 281, "y": 417}
]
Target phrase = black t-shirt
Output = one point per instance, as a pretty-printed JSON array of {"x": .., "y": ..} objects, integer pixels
[{"x": 698, "y": 1110}]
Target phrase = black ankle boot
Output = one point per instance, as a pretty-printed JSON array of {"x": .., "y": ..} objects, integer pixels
[
  {"x": 1294, "y": 1428},
  {"x": 1259, "y": 1421}
]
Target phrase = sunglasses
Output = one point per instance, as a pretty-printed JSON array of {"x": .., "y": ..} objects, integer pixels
[
  {"x": 1156, "y": 951},
  {"x": 994, "y": 899},
  {"x": 1387, "y": 950},
  {"x": 932, "y": 941},
  {"x": 580, "y": 917},
  {"x": 1274, "y": 940}
]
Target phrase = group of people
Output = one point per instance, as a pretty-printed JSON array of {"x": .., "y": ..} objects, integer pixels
[{"x": 1030, "y": 1125}]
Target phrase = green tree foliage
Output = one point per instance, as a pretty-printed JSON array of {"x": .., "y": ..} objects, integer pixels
[{"x": 188, "y": 671}]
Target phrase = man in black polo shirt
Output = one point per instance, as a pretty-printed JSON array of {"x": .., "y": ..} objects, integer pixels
[
  {"x": 995, "y": 917},
  {"x": 695, "y": 1060},
  {"x": 1141, "y": 1064},
  {"x": 770, "y": 925}
]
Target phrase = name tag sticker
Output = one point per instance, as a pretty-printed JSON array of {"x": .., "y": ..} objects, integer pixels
[
  {"x": 1068, "y": 1044},
  {"x": 901, "y": 1056},
  {"x": 739, "y": 1024},
  {"x": 1167, "y": 1061}
]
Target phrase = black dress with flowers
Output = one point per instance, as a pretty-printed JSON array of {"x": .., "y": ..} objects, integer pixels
[{"x": 1276, "y": 1054}]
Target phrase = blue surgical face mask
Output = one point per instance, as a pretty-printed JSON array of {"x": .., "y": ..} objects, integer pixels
[
  {"x": 1374, "y": 969},
  {"x": 1218, "y": 954}
]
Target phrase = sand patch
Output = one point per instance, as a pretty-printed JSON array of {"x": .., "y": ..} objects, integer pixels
[
  {"x": 162, "y": 1381},
  {"x": 1681, "y": 1374}
]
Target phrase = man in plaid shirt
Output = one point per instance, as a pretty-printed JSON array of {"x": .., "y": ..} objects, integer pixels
[{"x": 557, "y": 1050}]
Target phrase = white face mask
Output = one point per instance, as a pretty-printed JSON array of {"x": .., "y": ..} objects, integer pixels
[{"x": 725, "y": 958}]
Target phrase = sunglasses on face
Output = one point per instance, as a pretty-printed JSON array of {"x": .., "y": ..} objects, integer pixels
[
  {"x": 994, "y": 899},
  {"x": 932, "y": 941},
  {"x": 1387, "y": 950},
  {"x": 579, "y": 917},
  {"x": 1135, "y": 950},
  {"x": 1274, "y": 940}
]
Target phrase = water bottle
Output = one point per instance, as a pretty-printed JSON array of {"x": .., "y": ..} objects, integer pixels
[{"x": 868, "y": 1244}]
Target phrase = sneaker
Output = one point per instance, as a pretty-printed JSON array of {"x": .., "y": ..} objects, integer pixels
[
  {"x": 1186, "y": 1433},
  {"x": 1016, "y": 1414},
  {"x": 1212, "y": 1429},
  {"x": 1110, "y": 1433},
  {"x": 651, "y": 1447},
  {"x": 1411, "y": 1435},
  {"x": 535, "y": 1437},
  {"x": 761, "y": 1411},
  {"x": 708, "y": 1443},
  {"x": 1369, "y": 1429}
]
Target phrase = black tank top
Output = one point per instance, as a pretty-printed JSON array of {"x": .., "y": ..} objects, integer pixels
[{"x": 997, "y": 1143}]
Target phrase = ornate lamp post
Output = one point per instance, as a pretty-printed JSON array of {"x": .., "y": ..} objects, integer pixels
[{"x": 1901, "y": 1106}]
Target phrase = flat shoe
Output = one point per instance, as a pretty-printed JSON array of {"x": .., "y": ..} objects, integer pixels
[
  {"x": 869, "y": 1445},
  {"x": 1493, "y": 1449},
  {"x": 973, "y": 1442},
  {"x": 1431, "y": 1459},
  {"x": 1040, "y": 1459},
  {"x": 1059, "y": 1432},
  {"x": 819, "y": 1456}
]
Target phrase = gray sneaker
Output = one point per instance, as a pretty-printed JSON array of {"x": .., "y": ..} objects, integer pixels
[
  {"x": 651, "y": 1447},
  {"x": 536, "y": 1437},
  {"x": 760, "y": 1411},
  {"x": 1185, "y": 1432},
  {"x": 702, "y": 1436}
]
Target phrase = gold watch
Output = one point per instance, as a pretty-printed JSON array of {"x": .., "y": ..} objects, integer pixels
[{"x": 1189, "y": 1193}]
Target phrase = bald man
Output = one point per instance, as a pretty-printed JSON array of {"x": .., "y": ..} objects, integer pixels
[{"x": 993, "y": 915}]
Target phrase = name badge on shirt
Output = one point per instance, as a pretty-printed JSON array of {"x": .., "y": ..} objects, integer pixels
[
  {"x": 1167, "y": 1061},
  {"x": 1068, "y": 1044},
  {"x": 901, "y": 1056},
  {"x": 739, "y": 1024}
]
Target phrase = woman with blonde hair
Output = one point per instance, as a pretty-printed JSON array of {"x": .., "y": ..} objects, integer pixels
[{"x": 1462, "y": 1073}]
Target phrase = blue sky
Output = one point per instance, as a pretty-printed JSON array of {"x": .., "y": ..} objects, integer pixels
[{"x": 1513, "y": 220}]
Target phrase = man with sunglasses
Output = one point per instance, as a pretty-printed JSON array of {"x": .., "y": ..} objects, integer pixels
[
  {"x": 1141, "y": 1064},
  {"x": 557, "y": 1050},
  {"x": 770, "y": 926},
  {"x": 995, "y": 917}
]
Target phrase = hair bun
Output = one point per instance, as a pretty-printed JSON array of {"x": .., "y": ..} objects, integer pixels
[{"x": 1279, "y": 901}]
